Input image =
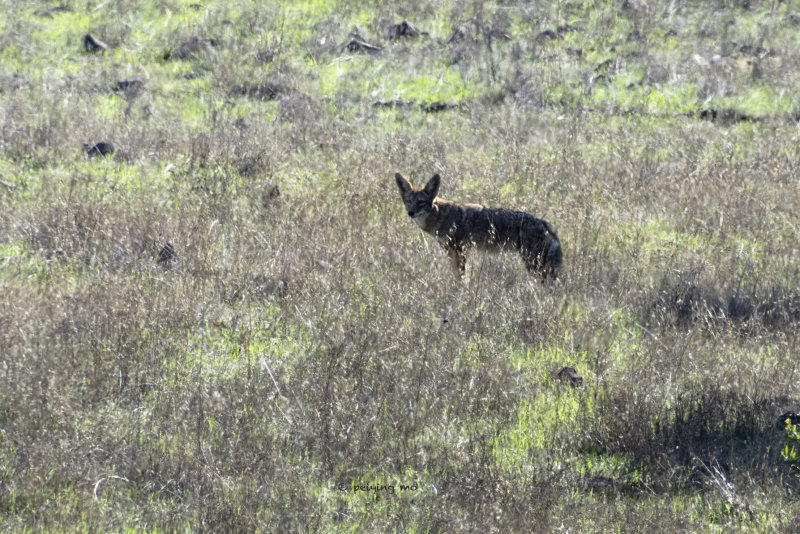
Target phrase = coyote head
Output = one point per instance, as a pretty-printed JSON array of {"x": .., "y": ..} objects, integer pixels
[{"x": 418, "y": 201}]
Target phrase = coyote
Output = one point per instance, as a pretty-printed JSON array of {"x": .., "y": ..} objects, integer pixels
[{"x": 460, "y": 226}]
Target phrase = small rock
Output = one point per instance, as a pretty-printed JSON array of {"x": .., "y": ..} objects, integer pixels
[
  {"x": 755, "y": 51},
  {"x": 634, "y": 5},
  {"x": 565, "y": 28},
  {"x": 362, "y": 47},
  {"x": 725, "y": 116},
  {"x": 103, "y": 148},
  {"x": 570, "y": 376},
  {"x": 93, "y": 44},
  {"x": 56, "y": 254},
  {"x": 404, "y": 29},
  {"x": 129, "y": 84},
  {"x": 270, "y": 195},
  {"x": 635, "y": 37},
  {"x": 546, "y": 35},
  {"x": 168, "y": 253}
]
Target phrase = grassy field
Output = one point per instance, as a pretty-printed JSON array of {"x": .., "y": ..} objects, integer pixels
[{"x": 306, "y": 360}]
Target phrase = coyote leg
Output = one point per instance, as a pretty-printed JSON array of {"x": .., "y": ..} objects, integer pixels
[{"x": 458, "y": 259}]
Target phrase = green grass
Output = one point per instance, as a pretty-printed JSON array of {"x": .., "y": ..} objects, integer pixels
[{"x": 308, "y": 362}]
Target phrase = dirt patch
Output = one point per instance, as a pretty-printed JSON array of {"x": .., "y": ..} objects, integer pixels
[
  {"x": 427, "y": 107},
  {"x": 725, "y": 116},
  {"x": 192, "y": 46},
  {"x": 50, "y": 11},
  {"x": 263, "y": 91}
]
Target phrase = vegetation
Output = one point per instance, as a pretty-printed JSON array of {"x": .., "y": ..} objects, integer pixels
[{"x": 301, "y": 356}]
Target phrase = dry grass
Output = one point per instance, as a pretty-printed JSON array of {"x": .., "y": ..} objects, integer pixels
[{"x": 305, "y": 343}]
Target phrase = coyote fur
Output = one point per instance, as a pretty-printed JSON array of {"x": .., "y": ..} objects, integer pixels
[{"x": 458, "y": 227}]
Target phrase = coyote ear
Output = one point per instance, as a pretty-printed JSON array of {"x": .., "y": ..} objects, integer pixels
[
  {"x": 432, "y": 187},
  {"x": 402, "y": 183}
]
